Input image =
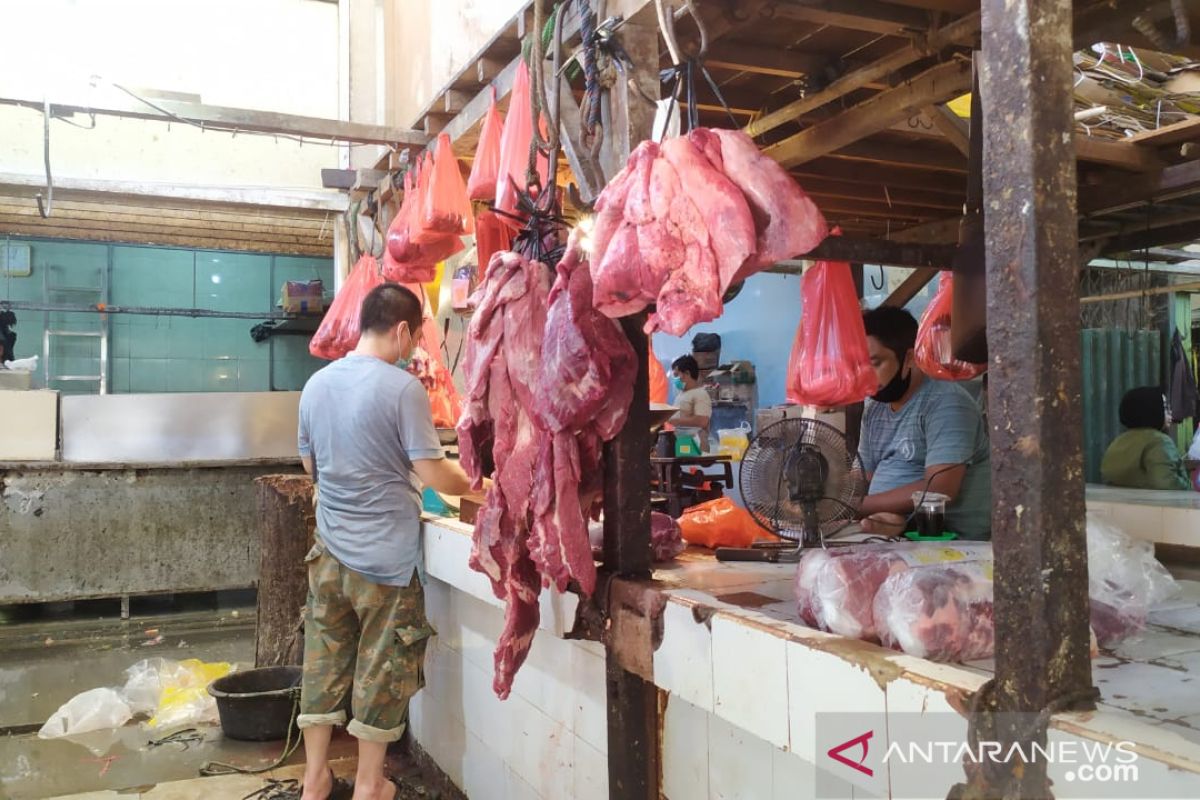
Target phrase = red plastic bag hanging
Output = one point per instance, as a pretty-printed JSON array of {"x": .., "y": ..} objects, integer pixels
[
  {"x": 400, "y": 245},
  {"x": 339, "y": 330},
  {"x": 829, "y": 365},
  {"x": 445, "y": 210},
  {"x": 934, "y": 354},
  {"x": 406, "y": 260},
  {"x": 514, "y": 148},
  {"x": 658, "y": 379},
  {"x": 481, "y": 184},
  {"x": 491, "y": 236}
]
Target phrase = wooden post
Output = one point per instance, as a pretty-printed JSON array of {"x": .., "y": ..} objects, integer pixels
[
  {"x": 633, "y": 709},
  {"x": 285, "y": 508},
  {"x": 1041, "y": 587}
]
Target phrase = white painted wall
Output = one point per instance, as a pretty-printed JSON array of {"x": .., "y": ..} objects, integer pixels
[{"x": 274, "y": 55}]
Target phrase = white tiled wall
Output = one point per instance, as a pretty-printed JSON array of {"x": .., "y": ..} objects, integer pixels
[{"x": 545, "y": 742}]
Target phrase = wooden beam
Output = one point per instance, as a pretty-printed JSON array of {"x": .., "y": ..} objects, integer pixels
[
  {"x": 910, "y": 287},
  {"x": 108, "y": 100},
  {"x": 954, "y": 128},
  {"x": 936, "y": 85},
  {"x": 1179, "y": 180},
  {"x": 586, "y": 170},
  {"x": 858, "y": 15},
  {"x": 902, "y": 155},
  {"x": 1186, "y": 131},
  {"x": 881, "y": 251},
  {"x": 487, "y": 68},
  {"x": 743, "y": 57},
  {"x": 959, "y": 32},
  {"x": 874, "y": 178},
  {"x": 455, "y": 100},
  {"x": 1157, "y": 237},
  {"x": 1120, "y": 154},
  {"x": 435, "y": 123},
  {"x": 312, "y": 200},
  {"x": 475, "y": 110},
  {"x": 879, "y": 194}
]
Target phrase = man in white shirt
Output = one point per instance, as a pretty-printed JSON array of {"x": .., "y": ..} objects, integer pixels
[{"x": 695, "y": 406}]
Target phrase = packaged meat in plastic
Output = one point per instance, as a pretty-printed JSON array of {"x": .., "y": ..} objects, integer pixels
[
  {"x": 445, "y": 208},
  {"x": 514, "y": 149},
  {"x": 843, "y": 589},
  {"x": 934, "y": 355},
  {"x": 942, "y": 612},
  {"x": 1125, "y": 581},
  {"x": 339, "y": 330},
  {"x": 481, "y": 183},
  {"x": 829, "y": 365}
]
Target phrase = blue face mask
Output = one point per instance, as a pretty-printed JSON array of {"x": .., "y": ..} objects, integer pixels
[
  {"x": 402, "y": 362},
  {"x": 677, "y": 382}
]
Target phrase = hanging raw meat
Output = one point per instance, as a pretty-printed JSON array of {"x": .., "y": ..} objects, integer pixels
[
  {"x": 686, "y": 219},
  {"x": 548, "y": 381}
]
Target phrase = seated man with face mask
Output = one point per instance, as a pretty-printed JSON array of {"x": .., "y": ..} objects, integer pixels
[{"x": 919, "y": 434}]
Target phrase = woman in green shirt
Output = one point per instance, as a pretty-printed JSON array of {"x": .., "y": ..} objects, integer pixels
[{"x": 1144, "y": 457}]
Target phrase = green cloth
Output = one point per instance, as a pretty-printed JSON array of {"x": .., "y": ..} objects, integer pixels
[{"x": 1144, "y": 459}]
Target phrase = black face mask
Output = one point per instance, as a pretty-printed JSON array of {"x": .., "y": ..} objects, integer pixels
[{"x": 896, "y": 387}]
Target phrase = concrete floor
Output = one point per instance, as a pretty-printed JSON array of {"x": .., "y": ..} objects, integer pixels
[{"x": 47, "y": 659}]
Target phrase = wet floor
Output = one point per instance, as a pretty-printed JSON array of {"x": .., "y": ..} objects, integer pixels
[{"x": 47, "y": 658}]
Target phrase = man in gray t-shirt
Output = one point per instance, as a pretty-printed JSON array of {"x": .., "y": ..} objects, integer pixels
[
  {"x": 366, "y": 436},
  {"x": 920, "y": 434}
]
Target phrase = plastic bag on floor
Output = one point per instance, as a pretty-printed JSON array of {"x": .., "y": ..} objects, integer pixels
[
  {"x": 184, "y": 699},
  {"x": 93, "y": 710}
]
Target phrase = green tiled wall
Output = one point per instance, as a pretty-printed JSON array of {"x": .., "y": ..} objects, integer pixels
[{"x": 167, "y": 354}]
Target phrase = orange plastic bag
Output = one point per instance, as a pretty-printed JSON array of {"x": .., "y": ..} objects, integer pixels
[
  {"x": 405, "y": 260},
  {"x": 481, "y": 184},
  {"x": 829, "y": 365},
  {"x": 720, "y": 523},
  {"x": 339, "y": 330},
  {"x": 514, "y": 148},
  {"x": 934, "y": 354},
  {"x": 491, "y": 236},
  {"x": 445, "y": 208},
  {"x": 658, "y": 379}
]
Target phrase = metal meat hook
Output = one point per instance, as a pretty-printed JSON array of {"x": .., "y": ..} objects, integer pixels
[{"x": 45, "y": 206}]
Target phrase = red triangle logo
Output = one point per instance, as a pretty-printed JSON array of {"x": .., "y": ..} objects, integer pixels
[{"x": 836, "y": 753}]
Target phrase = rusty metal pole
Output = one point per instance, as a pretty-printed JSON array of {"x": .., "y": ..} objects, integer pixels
[
  {"x": 1033, "y": 333},
  {"x": 633, "y": 712}
]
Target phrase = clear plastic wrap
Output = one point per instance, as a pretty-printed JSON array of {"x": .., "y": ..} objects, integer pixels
[
  {"x": 829, "y": 365},
  {"x": 1124, "y": 581},
  {"x": 942, "y": 612},
  {"x": 93, "y": 710},
  {"x": 836, "y": 591}
]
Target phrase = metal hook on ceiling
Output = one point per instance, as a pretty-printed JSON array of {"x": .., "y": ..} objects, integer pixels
[{"x": 46, "y": 204}]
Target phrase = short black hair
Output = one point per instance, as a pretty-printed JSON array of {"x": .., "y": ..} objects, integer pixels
[
  {"x": 1143, "y": 407},
  {"x": 895, "y": 328},
  {"x": 387, "y": 305},
  {"x": 688, "y": 365}
]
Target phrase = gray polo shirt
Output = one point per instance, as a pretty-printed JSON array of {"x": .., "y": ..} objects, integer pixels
[
  {"x": 363, "y": 422},
  {"x": 940, "y": 424}
]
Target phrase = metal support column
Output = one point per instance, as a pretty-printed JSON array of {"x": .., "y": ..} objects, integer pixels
[
  {"x": 1041, "y": 604},
  {"x": 633, "y": 713}
]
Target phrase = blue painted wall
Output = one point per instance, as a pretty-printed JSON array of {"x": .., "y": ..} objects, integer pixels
[{"x": 758, "y": 326}]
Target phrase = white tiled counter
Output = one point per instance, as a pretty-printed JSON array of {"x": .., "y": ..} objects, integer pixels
[
  {"x": 744, "y": 682},
  {"x": 1171, "y": 518}
]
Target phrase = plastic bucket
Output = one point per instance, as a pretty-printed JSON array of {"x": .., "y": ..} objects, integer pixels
[{"x": 257, "y": 705}]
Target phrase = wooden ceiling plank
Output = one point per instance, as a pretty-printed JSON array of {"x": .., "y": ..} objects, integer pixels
[
  {"x": 954, "y": 128},
  {"x": 900, "y": 155},
  {"x": 743, "y": 57},
  {"x": 858, "y": 15},
  {"x": 1124, "y": 155},
  {"x": 936, "y": 85},
  {"x": 877, "y": 177},
  {"x": 1119, "y": 194},
  {"x": 958, "y": 32}
]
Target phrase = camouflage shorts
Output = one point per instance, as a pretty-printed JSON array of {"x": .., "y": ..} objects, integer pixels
[{"x": 364, "y": 650}]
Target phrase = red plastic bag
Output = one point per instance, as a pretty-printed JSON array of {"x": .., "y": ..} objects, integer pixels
[
  {"x": 658, "y": 379},
  {"x": 400, "y": 245},
  {"x": 934, "y": 354},
  {"x": 720, "y": 523},
  {"x": 339, "y": 330},
  {"x": 481, "y": 184},
  {"x": 491, "y": 236},
  {"x": 829, "y": 365},
  {"x": 406, "y": 260},
  {"x": 514, "y": 148},
  {"x": 445, "y": 208}
]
